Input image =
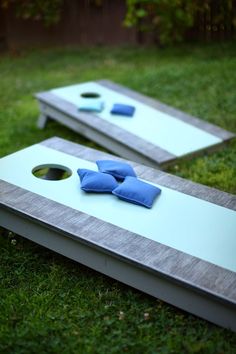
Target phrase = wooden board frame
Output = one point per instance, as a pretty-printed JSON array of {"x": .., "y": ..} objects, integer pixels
[
  {"x": 116, "y": 139},
  {"x": 194, "y": 285}
]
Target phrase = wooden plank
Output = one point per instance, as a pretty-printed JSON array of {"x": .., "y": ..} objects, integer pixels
[
  {"x": 119, "y": 140},
  {"x": 156, "y": 176},
  {"x": 185, "y": 281},
  {"x": 88, "y": 124},
  {"x": 199, "y": 123}
]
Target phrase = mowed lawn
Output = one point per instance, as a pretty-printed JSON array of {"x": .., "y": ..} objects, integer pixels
[{"x": 49, "y": 304}]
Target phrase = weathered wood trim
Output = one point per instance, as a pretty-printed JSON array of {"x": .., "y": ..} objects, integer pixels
[
  {"x": 119, "y": 140},
  {"x": 50, "y": 105},
  {"x": 188, "y": 282},
  {"x": 164, "y": 179},
  {"x": 148, "y": 254},
  {"x": 199, "y": 123},
  {"x": 153, "y": 283}
]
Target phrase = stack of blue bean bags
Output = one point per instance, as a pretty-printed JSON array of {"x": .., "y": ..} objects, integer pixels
[{"x": 119, "y": 179}]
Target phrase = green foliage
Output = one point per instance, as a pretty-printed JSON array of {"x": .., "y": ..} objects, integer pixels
[
  {"x": 49, "y": 304},
  {"x": 47, "y": 11},
  {"x": 168, "y": 21}
]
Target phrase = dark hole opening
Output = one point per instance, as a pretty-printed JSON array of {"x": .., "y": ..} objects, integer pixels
[
  {"x": 51, "y": 172},
  {"x": 90, "y": 95}
]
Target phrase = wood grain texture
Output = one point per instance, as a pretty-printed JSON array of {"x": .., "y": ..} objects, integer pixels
[
  {"x": 119, "y": 140},
  {"x": 164, "y": 179},
  {"x": 143, "y": 147},
  {"x": 186, "y": 270},
  {"x": 196, "y": 276},
  {"x": 210, "y": 128}
]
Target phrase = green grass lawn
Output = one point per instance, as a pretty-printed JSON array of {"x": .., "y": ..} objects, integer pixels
[{"x": 49, "y": 304}]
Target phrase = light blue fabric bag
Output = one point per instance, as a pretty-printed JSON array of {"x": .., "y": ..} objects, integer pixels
[{"x": 91, "y": 105}]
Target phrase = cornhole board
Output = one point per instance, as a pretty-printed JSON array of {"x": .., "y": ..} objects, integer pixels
[
  {"x": 181, "y": 251},
  {"x": 157, "y": 135}
]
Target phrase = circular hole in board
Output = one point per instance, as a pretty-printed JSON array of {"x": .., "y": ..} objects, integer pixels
[
  {"x": 90, "y": 95},
  {"x": 51, "y": 172}
]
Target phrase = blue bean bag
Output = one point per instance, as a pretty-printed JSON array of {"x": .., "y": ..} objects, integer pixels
[
  {"x": 91, "y": 105},
  {"x": 93, "y": 181},
  {"x": 136, "y": 191},
  {"x": 123, "y": 109},
  {"x": 116, "y": 168}
]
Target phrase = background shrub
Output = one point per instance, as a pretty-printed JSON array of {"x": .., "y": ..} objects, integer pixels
[{"x": 168, "y": 21}]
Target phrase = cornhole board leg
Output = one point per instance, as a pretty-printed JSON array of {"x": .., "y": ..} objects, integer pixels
[
  {"x": 42, "y": 121},
  {"x": 163, "y": 288}
]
